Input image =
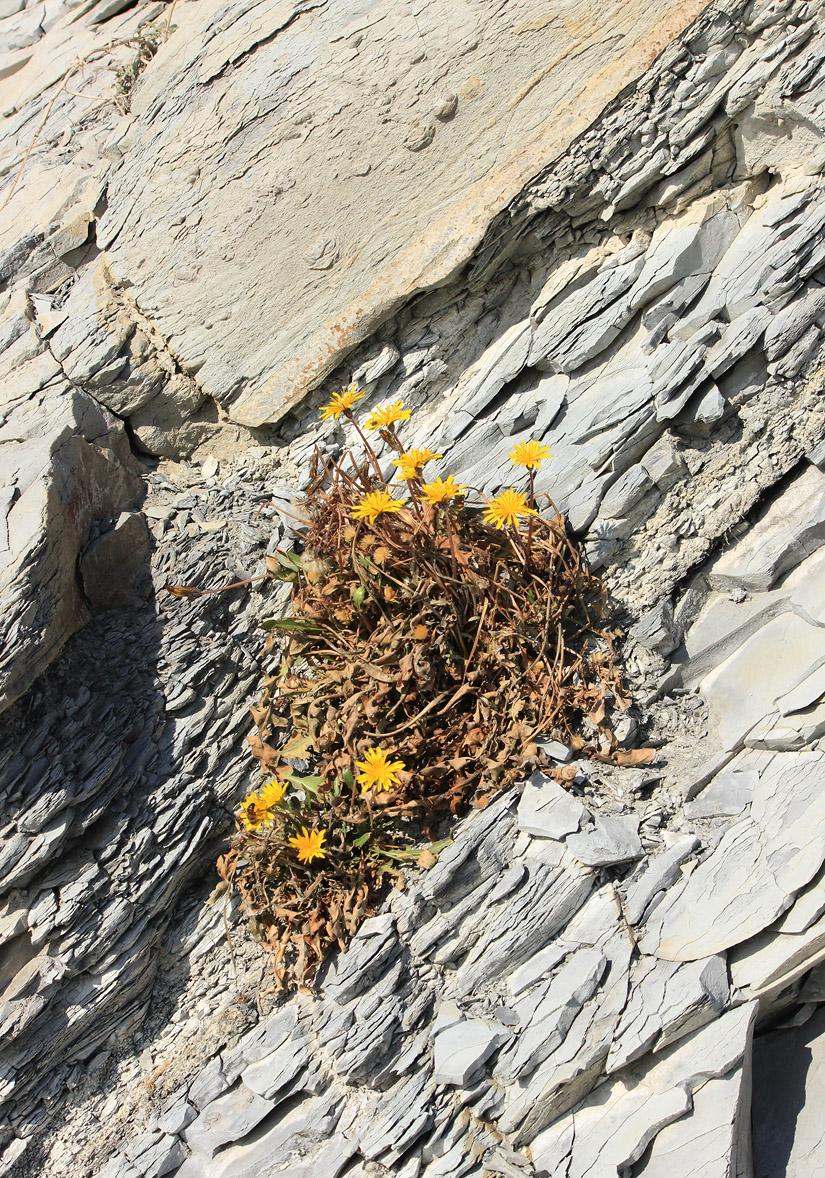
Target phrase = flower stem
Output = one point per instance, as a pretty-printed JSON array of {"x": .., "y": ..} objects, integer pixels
[
  {"x": 530, "y": 519},
  {"x": 371, "y": 453},
  {"x": 450, "y": 540}
]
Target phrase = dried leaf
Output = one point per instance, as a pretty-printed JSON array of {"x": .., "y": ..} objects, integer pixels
[{"x": 634, "y": 756}]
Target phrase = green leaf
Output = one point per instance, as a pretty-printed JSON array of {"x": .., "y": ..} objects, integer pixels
[
  {"x": 359, "y": 842},
  {"x": 309, "y": 785},
  {"x": 348, "y": 778},
  {"x": 438, "y": 847},
  {"x": 288, "y": 625}
]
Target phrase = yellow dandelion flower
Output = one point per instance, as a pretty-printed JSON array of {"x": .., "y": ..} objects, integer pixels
[
  {"x": 441, "y": 491},
  {"x": 308, "y": 844},
  {"x": 409, "y": 464},
  {"x": 374, "y": 504},
  {"x": 387, "y": 416},
  {"x": 377, "y": 771},
  {"x": 257, "y": 808},
  {"x": 530, "y": 454},
  {"x": 506, "y": 508},
  {"x": 341, "y": 403}
]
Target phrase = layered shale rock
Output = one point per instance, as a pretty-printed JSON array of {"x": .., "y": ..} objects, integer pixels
[{"x": 602, "y": 228}]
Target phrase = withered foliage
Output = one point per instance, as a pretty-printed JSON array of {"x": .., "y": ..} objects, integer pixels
[{"x": 450, "y": 644}]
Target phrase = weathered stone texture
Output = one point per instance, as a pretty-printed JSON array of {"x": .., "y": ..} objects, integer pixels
[{"x": 634, "y": 275}]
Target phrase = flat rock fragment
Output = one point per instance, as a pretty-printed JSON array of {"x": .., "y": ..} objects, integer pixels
[
  {"x": 760, "y": 864},
  {"x": 547, "y": 1015},
  {"x": 462, "y": 1045},
  {"x": 730, "y": 792},
  {"x": 611, "y": 840},
  {"x": 661, "y": 872},
  {"x": 739, "y": 696},
  {"x": 548, "y": 810},
  {"x": 611, "y": 1128},
  {"x": 227, "y": 1118},
  {"x": 792, "y": 528},
  {"x": 713, "y": 1139}
]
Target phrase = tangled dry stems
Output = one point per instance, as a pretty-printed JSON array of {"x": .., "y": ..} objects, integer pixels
[{"x": 428, "y": 650}]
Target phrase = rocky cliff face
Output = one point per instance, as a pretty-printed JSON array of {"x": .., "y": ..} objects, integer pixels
[{"x": 601, "y": 227}]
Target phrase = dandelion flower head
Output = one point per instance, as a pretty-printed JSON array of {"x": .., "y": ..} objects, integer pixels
[
  {"x": 309, "y": 845},
  {"x": 442, "y": 490},
  {"x": 507, "y": 508},
  {"x": 529, "y": 454},
  {"x": 374, "y": 504},
  {"x": 341, "y": 403},
  {"x": 409, "y": 464},
  {"x": 257, "y": 808},
  {"x": 387, "y": 415},
  {"x": 377, "y": 770}
]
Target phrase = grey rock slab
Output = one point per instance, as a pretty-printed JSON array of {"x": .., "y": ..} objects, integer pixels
[
  {"x": 713, "y": 1139},
  {"x": 299, "y": 52},
  {"x": 661, "y": 872},
  {"x": 791, "y": 529},
  {"x": 709, "y": 407},
  {"x": 611, "y": 1129},
  {"x": 790, "y": 324},
  {"x": 69, "y": 462},
  {"x": 737, "y": 339},
  {"x": 269, "y": 1035},
  {"x": 113, "y": 568},
  {"x": 774, "y": 959},
  {"x": 396, "y": 1120},
  {"x": 366, "y": 955},
  {"x": 227, "y": 1118},
  {"x": 759, "y": 865},
  {"x": 740, "y": 695},
  {"x": 788, "y": 1095},
  {"x": 688, "y": 245},
  {"x": 303, "y": 1126},
  {"x": 806, "y": 908},
  {"x": 273, "y": 1072},
  {"x": 666, "y": 1001},
  {"x": 611, "y": 840},
  {"x": 555, "y": 749},
  {"x": 209, "y": 1083},
  {"x": 656, "y": 629},
  {"x": 462, "y": 1045},
  {"x": 155, "y": 1154},
  {"x": 547, "y": 1015},
  {"x": 547, "y": 810},
  {"x": 538, "y": 966},
  {"x": 626, "y": 492},
  {"x": 502, "y": 361},
  {"x": 177, "y": 1116},
  {"x": 507, "y": 938},
  {"x": 610, "y": 1138},
  {"x": 728, "y": 794},
  {"x": 664, "y": 462},
  {"x": 806, "y": 587}
]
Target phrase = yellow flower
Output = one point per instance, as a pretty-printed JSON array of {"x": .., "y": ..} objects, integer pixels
[
  {"x": 409, "y": 464},
  {"x": 382, "y": 418},
  {"x": 257, "y": 808},
  {"x": 377, "y": 771},
  {"x": 308, "y": 845},
  {"x": 530, "y": 454},
  {"x": 372, "y": 505},
  {"x": 341, "y": 403},
  {"x": 442, "y": 490},
  {"x": 506, "y": 509}
]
